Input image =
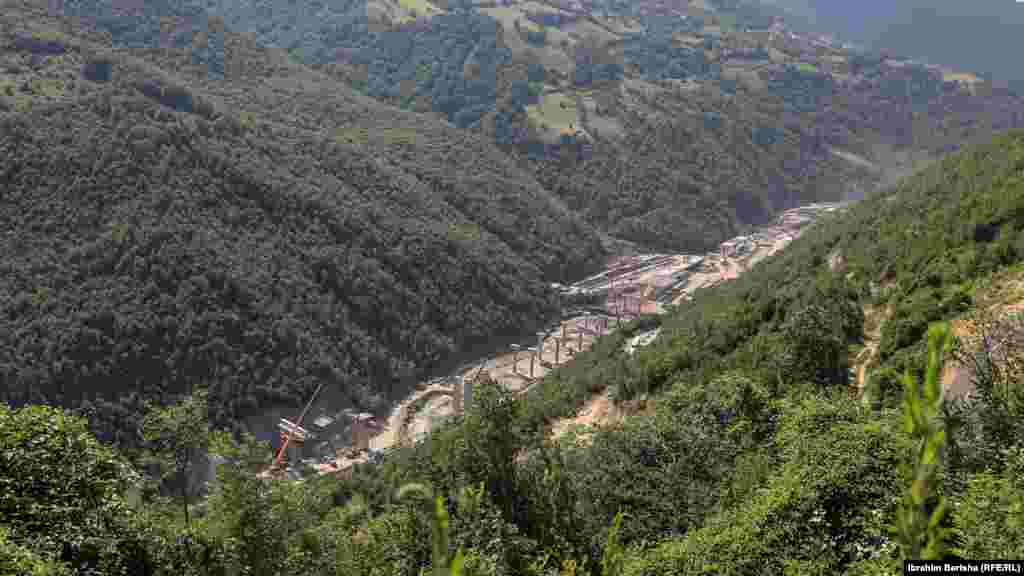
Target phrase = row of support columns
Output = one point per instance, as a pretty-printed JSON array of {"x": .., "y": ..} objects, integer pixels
[
  {"x": 591, "y": 324},
  {"x": 362, "y": 425}
]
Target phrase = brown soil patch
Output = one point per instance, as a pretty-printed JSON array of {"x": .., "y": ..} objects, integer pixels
[
  {"x": 361, "y": 537},
  {"x": 1003, "y": 296},
  {"x": 599, "y": 411},
  {"x": 956, "y": 379},
  {"x": 874, "y": 320},
  {"x": 1006, "y": 290},
  {"x": 397, "y": 420},
  {"x": 717, "y": 268}
]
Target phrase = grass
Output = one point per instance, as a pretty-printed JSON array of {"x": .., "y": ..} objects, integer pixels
[
  {"x": 808, "y": 68},
  {"x": 423, "y": 73},
  {"x": 359, "y": 135},
  {"x": 727, "y": 22},
  {"x": 352, "y": 135},
  {"x": 247, "y": 120},
  {"x": 508, "y": 16},
  {"x": 551, "y": 113},
  {"x": 961, "y": 77},
  {"x": 419, "y": 7},
  {"x": 403, "y": 10},
  {"x": 399, "y": 136},
  {"x": 49, "y": 35},
  {"x": 48, "y": 87},
  {"x": 22, "y": 102},
  {"x": 468, "y": 231}
]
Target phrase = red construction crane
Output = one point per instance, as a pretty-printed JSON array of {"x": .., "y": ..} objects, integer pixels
[{"x": 293, "y": 430}]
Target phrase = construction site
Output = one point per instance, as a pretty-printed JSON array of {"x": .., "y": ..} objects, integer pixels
[{"x": 628, "y": 287}]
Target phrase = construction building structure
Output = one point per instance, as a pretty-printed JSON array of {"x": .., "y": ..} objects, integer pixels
[{"x": 631, "y": 286}]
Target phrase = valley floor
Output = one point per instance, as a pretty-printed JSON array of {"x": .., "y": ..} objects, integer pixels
[{"x": 630, "y": 285}]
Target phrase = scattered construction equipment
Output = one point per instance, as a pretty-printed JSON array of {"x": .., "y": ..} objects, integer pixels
[{"x": 291, "y": 432}]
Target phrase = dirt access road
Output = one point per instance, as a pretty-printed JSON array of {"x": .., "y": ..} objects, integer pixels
[{"x": 631, "y": 282}]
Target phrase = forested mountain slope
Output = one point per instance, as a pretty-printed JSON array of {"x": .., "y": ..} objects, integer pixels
[
  {"x": 756, "y": 457},
  {"x": 673, "y": 125},
  {"x": 261, "y": 236},
  {"x": 928, "y": 249},
  {"x": 750, "y": 456}
]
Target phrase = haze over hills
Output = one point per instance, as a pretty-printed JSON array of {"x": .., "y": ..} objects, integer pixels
[
  {"x": 669, "y": 124},
  {"x": 981, "y": 37}
]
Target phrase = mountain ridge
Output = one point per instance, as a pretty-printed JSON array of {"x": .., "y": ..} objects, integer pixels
[
  {"x": 157, "y": 235},
  {"x": 184, "y": 259},
  {"x": 765, "y": 104}
]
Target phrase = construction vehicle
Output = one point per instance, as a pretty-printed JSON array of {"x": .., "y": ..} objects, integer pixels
[{"x": 291, "y": 433}]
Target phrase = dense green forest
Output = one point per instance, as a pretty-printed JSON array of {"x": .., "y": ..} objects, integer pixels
[
  {"x": 751, "y": 456},
  {"x": 198, "y": 227},
  {"x": 650, "y": 175},
  {"x": 159, "y": 236}
]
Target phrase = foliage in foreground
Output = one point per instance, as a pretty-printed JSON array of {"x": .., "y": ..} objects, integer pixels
[
  {"x": 920, "y": 515},
  {"x": 754, "y": 458}
]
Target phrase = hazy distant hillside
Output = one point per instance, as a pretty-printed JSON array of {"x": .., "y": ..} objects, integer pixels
[
  {"x": 983, "y": 37},
  {"x": 664, "y": 123}
]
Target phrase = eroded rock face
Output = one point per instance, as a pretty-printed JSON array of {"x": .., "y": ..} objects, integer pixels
[{"x": 837, "y": 263}]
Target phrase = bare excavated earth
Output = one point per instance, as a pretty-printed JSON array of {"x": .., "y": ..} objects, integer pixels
[
  {"x": 412, "y": 418},
  {"x": 725, "y": 264},
  {"x": 874, "y": 319},
  {"x": 1002, "y": 298}
]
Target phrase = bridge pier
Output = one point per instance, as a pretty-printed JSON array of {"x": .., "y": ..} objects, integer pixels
[
  {"x": 466, "y": 392},
  {"x": 361, "y": 431}
]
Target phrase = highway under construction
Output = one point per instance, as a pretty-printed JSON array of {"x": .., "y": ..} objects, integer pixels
[{"x": 628, "y": 287}]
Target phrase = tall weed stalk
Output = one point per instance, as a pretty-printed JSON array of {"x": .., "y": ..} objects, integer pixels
[
  {"x": 919, "y": 530},
  {"x": 443, "y": 564}
]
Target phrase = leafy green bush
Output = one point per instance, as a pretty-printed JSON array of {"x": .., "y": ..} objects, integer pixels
[
  {"x": 814, "y": 351},
  {"x": 61, "y": 491},
  {"x": 663, "y": 472},
  {"x": 267, "y": 524},
  {"x": 822, "y": 509},
  {"x": 883, "y": 387},
  {"x": 19, "y": 560},
  {"x": 990, "y": 517}
]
